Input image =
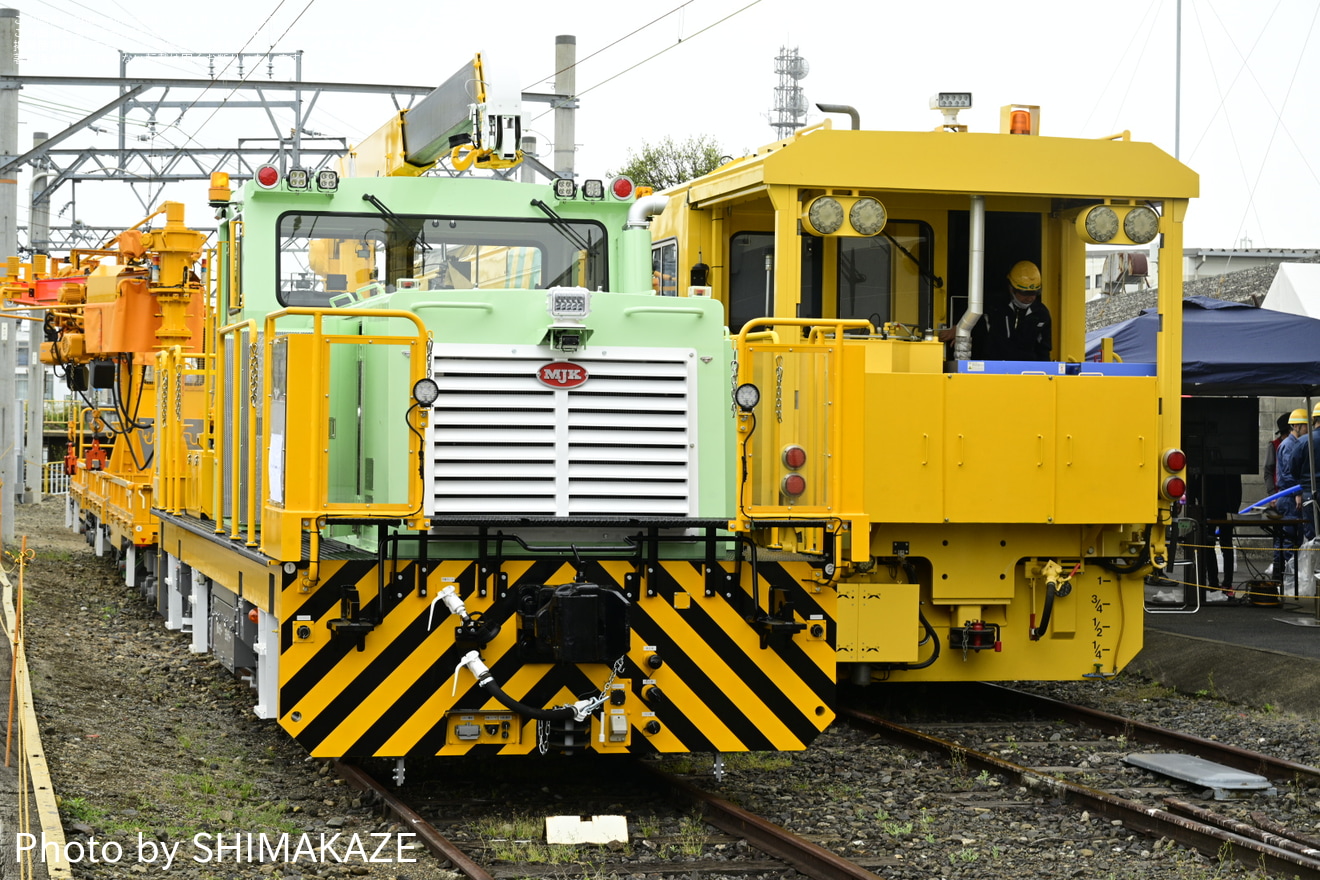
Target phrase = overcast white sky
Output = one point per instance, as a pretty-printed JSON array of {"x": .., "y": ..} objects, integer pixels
[{"x": 1249, "y": 74}]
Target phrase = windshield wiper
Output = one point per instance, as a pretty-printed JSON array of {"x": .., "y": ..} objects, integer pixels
[
  {"x": 561, "y": 226},
  {"x": 396, "y": 220}
]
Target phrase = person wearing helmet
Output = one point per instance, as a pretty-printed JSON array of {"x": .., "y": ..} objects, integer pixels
[
  {"x": 1017, "y": 328},
  {"x": 1270, "y": 471},
  {"x": 1290, "y": 536},
  {"x": 1298, "y": 470}
]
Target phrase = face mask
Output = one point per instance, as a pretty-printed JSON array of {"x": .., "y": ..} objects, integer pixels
[{"x": 1023, "y": 306}]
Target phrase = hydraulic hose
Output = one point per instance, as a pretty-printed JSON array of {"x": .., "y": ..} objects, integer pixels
[
  {"x": 1037, "y": 631},
  {"x": 579, "y": 711},
  {"x": 563, "y": 713},
  {"x": 934, "y": 655},
  {"x": 1137, "y": 564}
]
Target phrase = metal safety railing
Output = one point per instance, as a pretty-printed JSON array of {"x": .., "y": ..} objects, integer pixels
[{"x": 54, "y": 480}]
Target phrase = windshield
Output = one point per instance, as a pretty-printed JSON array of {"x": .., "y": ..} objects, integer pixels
[{"x": 336, "y": 259}]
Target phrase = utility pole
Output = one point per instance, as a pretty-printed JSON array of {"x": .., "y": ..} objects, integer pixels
[
  {"x": 566, "y": 87},
  {"x": 39, "y": 238},
  {"x": 10, "y": 420}
]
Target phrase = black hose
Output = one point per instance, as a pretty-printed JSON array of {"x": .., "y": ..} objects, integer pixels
[
  {"x": 1051, "y": 590},
  {"x": 1139, "y": 563},
  {"x": 563, "y": 713},
  {"x": 934, "y": 655}
]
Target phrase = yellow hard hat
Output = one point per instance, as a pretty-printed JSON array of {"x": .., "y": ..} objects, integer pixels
[
  {"x": 1315, "y": 412},
  {"x": 1298, "y": 417},
  {"x": 1025, "y": 276}
]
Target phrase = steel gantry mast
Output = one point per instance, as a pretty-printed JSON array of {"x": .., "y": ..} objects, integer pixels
[{"x": 155, "y": 166}]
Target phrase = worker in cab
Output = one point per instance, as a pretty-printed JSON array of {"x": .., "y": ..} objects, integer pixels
[{"x": 1017, "y": 328}]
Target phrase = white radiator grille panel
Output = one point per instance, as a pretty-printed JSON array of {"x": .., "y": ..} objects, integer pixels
[{"x": 622, "y": 443}]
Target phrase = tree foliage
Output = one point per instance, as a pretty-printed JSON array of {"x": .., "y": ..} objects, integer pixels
[{"x": 667, "y": 163}]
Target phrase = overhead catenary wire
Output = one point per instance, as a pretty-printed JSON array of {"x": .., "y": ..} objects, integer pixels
[
  {"x": 1278, "y": 121},
  {"x": 611, "y": 45},
  {"x": 1222, "y": 105},
  {"x": 655, "y": 55}
]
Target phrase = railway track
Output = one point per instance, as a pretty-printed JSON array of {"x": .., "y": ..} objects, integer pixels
[
  {"x": 1158, "y": 813},
  {"x": 808, "y": 858}
]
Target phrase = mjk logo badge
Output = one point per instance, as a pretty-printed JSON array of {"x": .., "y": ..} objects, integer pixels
[{"x": 562, "y": 374}]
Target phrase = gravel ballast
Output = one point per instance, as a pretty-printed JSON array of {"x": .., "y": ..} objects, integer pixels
[{"x": 149, "y": 744}]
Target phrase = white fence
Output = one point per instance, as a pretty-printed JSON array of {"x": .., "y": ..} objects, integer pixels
[{"x": 54, "y": 481}]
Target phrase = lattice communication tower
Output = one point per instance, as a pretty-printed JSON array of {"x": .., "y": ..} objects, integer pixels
[{"x": 790, "y": 111}]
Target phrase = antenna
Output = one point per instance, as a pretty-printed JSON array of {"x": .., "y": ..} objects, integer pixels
[{"x": 790, "y": 110}]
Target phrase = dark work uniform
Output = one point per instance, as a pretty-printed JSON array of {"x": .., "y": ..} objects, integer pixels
[
  {"x": 1223, "y": 496},
  {"x": 1007, "y": 333}
]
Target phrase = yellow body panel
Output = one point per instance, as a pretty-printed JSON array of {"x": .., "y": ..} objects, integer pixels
[{"x": 963, "y": 494}]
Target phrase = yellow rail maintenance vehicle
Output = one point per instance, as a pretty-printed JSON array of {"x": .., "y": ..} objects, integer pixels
[
  {"x": 993, "y": 519},
  {"x": 108, "y": 312},
  {"x": 426, "y": 458}
]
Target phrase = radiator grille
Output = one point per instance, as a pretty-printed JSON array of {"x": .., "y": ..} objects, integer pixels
[{"x": 620, "y": 444}]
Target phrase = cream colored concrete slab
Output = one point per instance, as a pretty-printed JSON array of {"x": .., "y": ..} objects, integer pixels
[{"x": 597, "y": 829}]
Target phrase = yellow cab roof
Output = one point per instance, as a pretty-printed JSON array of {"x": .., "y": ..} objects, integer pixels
[{"x": 954, "y": 162}]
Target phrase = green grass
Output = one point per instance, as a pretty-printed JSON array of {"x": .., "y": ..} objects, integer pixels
[{"x": 522, "y": 839}]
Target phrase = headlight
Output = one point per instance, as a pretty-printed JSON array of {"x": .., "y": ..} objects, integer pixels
[
  {"x": 1100, "y": 224},
  {"x": 1141, "y": 225},
  {"x": 867, "y": 216},
  {"x": 425, "y": 391},
  {"x": 824, "y": 215},
  {"x": 747, "y": 396},
  {"x": 568, "y": 303}
]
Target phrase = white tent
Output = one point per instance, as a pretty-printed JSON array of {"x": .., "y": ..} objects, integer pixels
[{"x": 1296, "y": 290}]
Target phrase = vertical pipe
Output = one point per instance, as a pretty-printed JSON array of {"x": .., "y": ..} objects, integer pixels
[
  {"x": 526, "y": 173},
  {"x": 296, "y": 157},
  {"x": 566, "y": 88},
  {"x": 975, "y": 279},
  {"x": 1177, "y": 83},
  {"x": 39, "y": 240},
  {"x": 39, "y": 208}
]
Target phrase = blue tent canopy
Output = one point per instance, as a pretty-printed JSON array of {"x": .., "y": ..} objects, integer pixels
[{"x": 1228, "y": 348}]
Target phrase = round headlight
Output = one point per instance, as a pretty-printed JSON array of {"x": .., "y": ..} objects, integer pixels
[
  {"x": 1101, "y": 224},
  {"x": 426, "y": 391},
  {"x": 825, "y": 215},
  {"x": 1141, "y": 224},
  {"x": 747, "y": 396},
  {"x": 867, "y": 216}
]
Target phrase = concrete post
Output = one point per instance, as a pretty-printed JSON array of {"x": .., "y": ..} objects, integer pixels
[
  {"x": 10, "y": 446},
  {"x": 39, "y": 239},
  {"x": 565, "y": 84}
]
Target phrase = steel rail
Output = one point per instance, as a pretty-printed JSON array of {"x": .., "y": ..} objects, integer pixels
[
  {"x": 809, "y": 858},
  {"x": 1138, "y": 817},
  {"x": 432, "y": 839},
  {"x": 1115, "y": 725}
]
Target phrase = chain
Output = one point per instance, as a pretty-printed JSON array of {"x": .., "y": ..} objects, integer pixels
[
  {"x": 542, "y": 727},
  {"x": 430, "y": 347},
  {"x": 178, "y": 390},
  {"x": 779, "y": 388},
  {"x": 733, "y": 386},
  {"x": 615, "y": 672},
  {"x": 252, "y": 374}
]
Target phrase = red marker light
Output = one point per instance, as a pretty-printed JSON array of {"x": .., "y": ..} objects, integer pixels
[
  {"x": 1175, "y": 487},
  {"x": 794, "y": 457},
  {"x": 1175, "y": 460},
  {"x": 793, "y": 485},
  {"x": 622, "y": 188},
  {"x": 268, "y": 176}
]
